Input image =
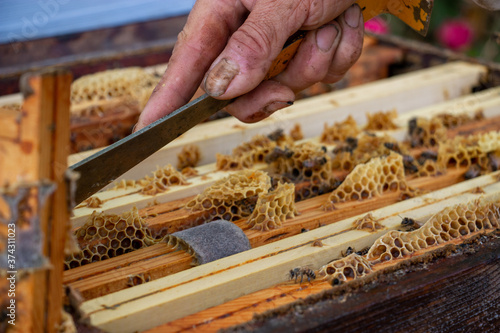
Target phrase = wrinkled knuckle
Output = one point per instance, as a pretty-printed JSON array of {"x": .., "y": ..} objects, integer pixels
[
  {"x": 318, "y": 13},
  {"x": 313, "y": 74},
  {"x": 333, "y": 77},
  {"x": 254, "y": 40}
]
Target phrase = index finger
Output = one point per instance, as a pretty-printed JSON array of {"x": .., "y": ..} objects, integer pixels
[{"x": 204, "y": 36}]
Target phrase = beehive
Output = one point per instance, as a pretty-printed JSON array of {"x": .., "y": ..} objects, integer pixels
[
  {"x": 233, "y": 197},
  {"x": 230, "y": 162},
  {"x": 371, "y": 179},
  {"x": 254, "y": 151},
  {"x": 130, "y": 83},
  {"x": 424, "y": 132},
  {"x": 273, "y": 208},
  {"x": 162, "y": 179},
  {"x": 368, "y": 223},
  {"x": 106, "y": 236},
  {"x": 346, "y": 269},
  {"x": 465, "y": 151},
  {"x": 449, "y": 224},
  {"x": 365, "y": 148},
  {"x": 188, "y": 157},
  {"x": 454, "y": 120},
  {"x": 308, "y": 164},
  {"x": 340, "y": 131},
  {"x": 380, "y": 121},
  {"x": 428, "y": 168}
]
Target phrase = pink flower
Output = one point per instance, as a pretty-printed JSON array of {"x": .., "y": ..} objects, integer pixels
[
  {"x": 377, "y": 25},
  {"x": 455, "y": 34}
]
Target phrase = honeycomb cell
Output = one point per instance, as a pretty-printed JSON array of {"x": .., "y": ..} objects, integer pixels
[
  {"x": 306, "y": 164},
  {"x": 189, "y": 172},
  {"x": 347, "y": 156},
  {"x": 254, "y": 151},
  {"x": 296, "y": 132},
  {"x": 137, "y": 279},
  {"x": 106, "y": 236},
  {"x": 237, "y": 194},
  {"x": 381, "y": 121},
  {"x": 131, "y": 83},
  {"x": 340, "y": 131},
  {"x": 379, "y": 174},
  {"x": 256, "y": 148},
  {"x": 454, "y": 120},
  {"x": 93, "y": 202},
  {"x": 230, "y": 162},
  {"x": 273, "y": 208},
  {"x": 451, "y": 223},
  {"x": 424, "y": 132},
  {"x": 345, "y": 269},
  {"x": 368, "y": 223},
  {"x": 429, "y": 168},
  {"x": 161, "y": 180},
  {"x": 125, "y": 184},
  {"x": 188, "y": 157},
  {"x": 463, "y": 151}
]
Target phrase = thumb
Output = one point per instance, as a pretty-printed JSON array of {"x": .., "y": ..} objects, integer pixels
[{"x": 244, "y": 62}]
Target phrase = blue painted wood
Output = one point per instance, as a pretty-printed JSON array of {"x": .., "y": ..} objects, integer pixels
[{"x": 22, "y": 20}]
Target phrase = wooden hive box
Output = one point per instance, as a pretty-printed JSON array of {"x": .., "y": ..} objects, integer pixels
[{"x": 406, "y": 280}]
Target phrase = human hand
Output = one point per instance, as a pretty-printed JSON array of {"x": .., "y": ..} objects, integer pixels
[{"x": 236, "y": 42}]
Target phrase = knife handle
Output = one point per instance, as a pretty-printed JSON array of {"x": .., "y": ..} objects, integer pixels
[
  {"x": 369, "y": 9},
  {"x": 289, "y": 49},
  {"x": 292, "y": 44}
]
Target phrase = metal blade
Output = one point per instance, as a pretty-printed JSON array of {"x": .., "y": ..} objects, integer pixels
[{"x": 105, "y": 166}]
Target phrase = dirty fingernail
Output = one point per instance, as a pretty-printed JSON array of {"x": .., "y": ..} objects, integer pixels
[
  {"x": 325, "y": 37},
  {"x": 220, "y": 76},
  {"x": 275, "y": 106},
  {"x": 351, "y": 16}
]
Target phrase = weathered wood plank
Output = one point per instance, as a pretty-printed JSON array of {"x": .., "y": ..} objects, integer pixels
[
  {"x": 463, "y": 288},
  {"x": 37, "y": 154}
]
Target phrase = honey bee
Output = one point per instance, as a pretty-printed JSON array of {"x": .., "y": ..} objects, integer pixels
[
  {"x": 275, "y": 135},
  {"x": 392, "y": 146},
  {"x": 278, "y": 153},
  {"x": 409, "y": 224},
  {"x": 473, "y": 172},
  {"x": 350, "y": 145},
  {"x": 314, "y": 162},
  {"x": 317, "y": 243},
  {"x": 408, "y": 164},
  {"x": 494, "y": 161},
  {"x": 364, "y": 251},
  {"x": 301, "y": 272},
  {"x": 429, "y": 155},
  {"x": 347, "y": 252},
  {"x": 416, "y": 133}
]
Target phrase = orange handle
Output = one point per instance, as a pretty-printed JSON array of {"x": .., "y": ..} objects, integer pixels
[{"x": 415, "y": 13}]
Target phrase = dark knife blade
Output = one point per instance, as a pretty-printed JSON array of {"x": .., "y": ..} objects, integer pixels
[{"x": 107, "y": 165}]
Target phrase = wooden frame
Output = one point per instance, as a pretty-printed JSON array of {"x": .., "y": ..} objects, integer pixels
[
  {"x": 35, "y": 154},
  {"x": 208, "y": 285}
]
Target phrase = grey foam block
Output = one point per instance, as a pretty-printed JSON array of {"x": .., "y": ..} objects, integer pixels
[{"x": 212, "y": 241}]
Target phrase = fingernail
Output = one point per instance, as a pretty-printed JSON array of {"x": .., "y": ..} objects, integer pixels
[
  {"x": 351, "y": 16},
  {"x": 325, "y": 37},
  {"x": 220, "y": 76},
  {"x": 275, "y": 106}
]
